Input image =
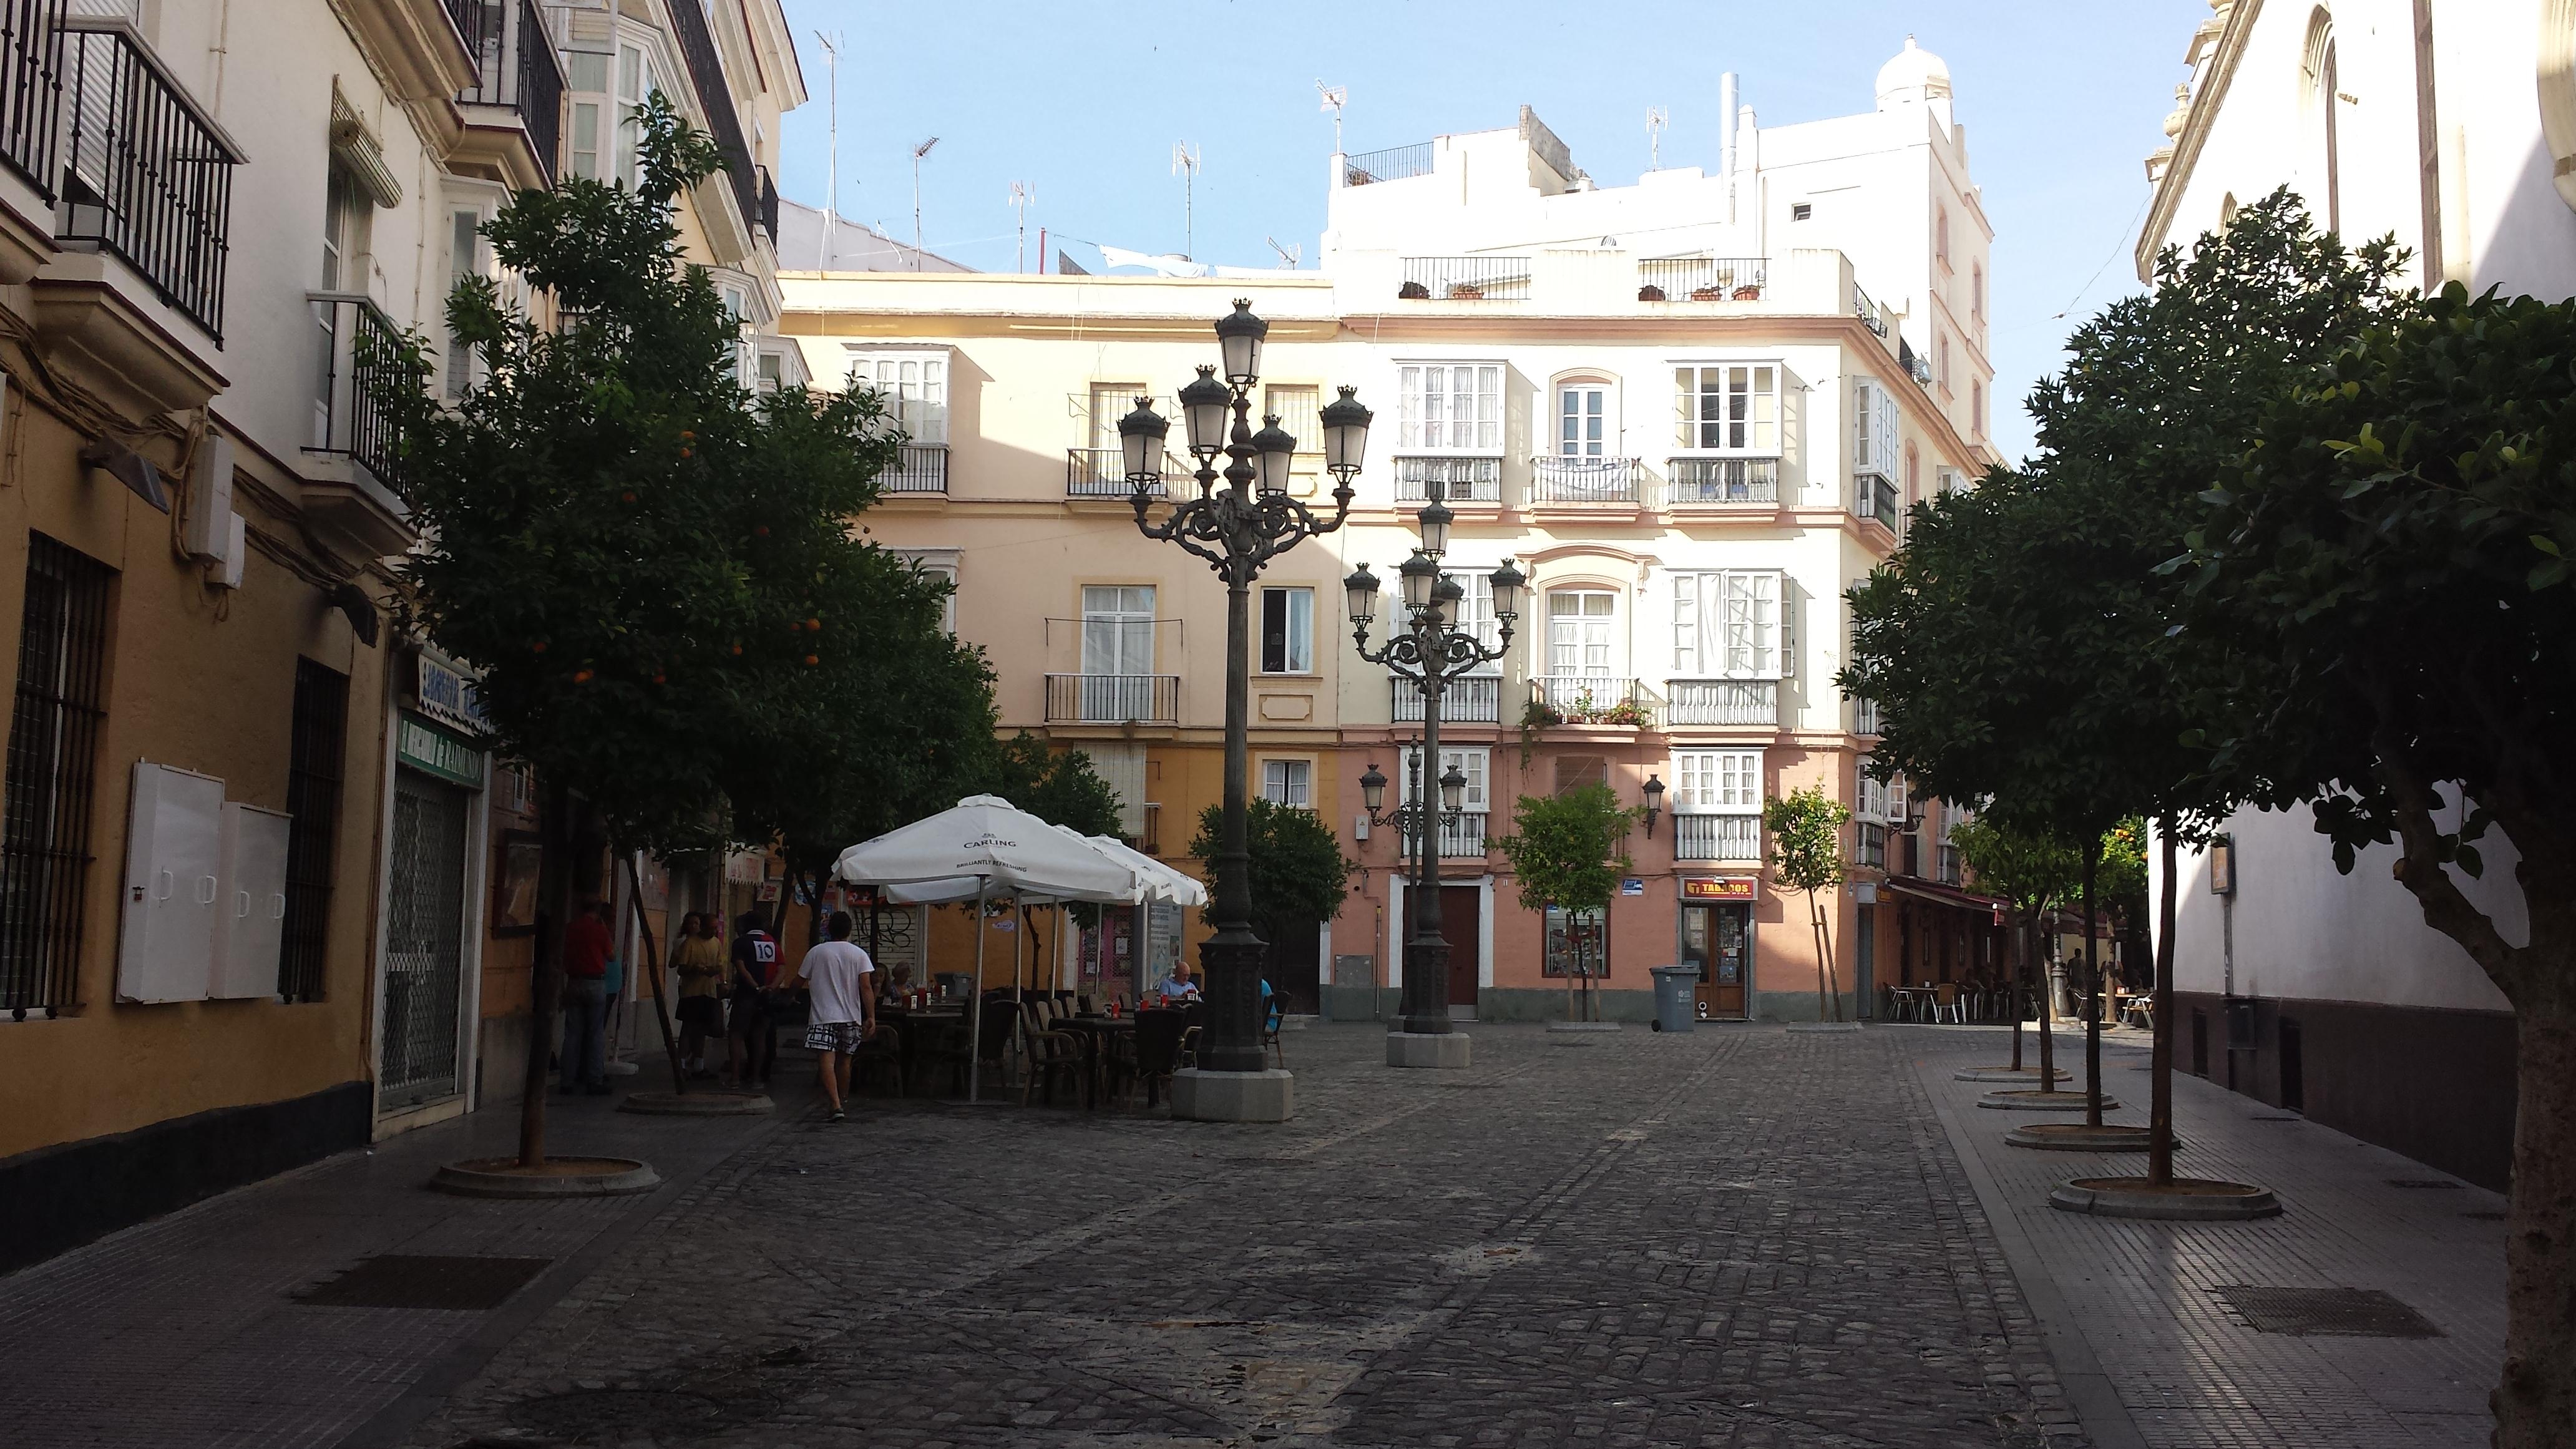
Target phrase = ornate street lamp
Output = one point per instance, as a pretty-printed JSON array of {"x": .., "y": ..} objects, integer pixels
[
  {"x": 1428, "y": 646},
  {"x": 1237, "y": 529}
]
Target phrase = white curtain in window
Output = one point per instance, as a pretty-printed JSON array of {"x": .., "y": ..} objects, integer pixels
[
  {"x": 1295, "y": 407},
  {"x": 1118, "y": 629},
  {"x": 915, "y": 388},
  {"x": 1717, "y": 781},
  {"x": 1578, "y": 631},
  {"x": 1476, "y": 613},
  {"x": 1730, "y": 625},
  {"x": 1473, "y": 762},
  {"x": 1450, "y": 405},
  {"x": 1731, "y": 407}
]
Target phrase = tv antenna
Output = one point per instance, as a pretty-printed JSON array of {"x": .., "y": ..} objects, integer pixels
[
  {"x": 832, "y": 166},
  {"x": 917, "y": 153},
  {"x": 1288, "y": 256},
  {"x": 1185, "y": 165},
  {"x": 1023, "y": 195},
  {"x": 1657, "y": 118},
  {"x": 1335, "y": 97}
]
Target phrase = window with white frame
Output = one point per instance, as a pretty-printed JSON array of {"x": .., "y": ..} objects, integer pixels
[
  {"x": 1451, "y": 406},
  {"x": 464, "y": 259},
  {"x": 1732, "y": 625},
  {"x": 1729, "y": 407},
  {"x": 1879, "y": 801},
  {"x": 1476, "y": 613},
  {"x": 1287, "y": 631},
  {"x": 1473, "y": 761},
  {"x": 940, "y": 565},
  {"x": 593, "y": 141},
  {"x": 737, "y": 305},
  {"x": 1288, "y": 782},
  {"x": 1583, "y": 424},
  {"x": 1874, "y": 429},
  {"x": 1118, "y": 629},
  {"x": 635, "y": 82},
  {"x": 1717, "y": 782},
  {"x": 915, "y": 388},
  {"x": 1579, "y": 630},
  {"x": 1296, "y": 407}
]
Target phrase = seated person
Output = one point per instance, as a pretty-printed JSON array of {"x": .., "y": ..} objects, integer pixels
[{"x": 1178, "y": 987}]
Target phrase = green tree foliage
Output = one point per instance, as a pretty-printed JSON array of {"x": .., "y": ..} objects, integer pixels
[
  {"x": 2035, "y": 872},
  {"x": 1806, "y": 831},
  {"x": 1569, "y": 851},
  {"x": 1299, "y": 873},
  {"x": 2391, "y": 561},
  {"x": 1060, "y": 788}
]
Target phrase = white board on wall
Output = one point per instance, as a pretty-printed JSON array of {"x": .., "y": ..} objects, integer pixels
[
  {"x": 250, "y": 918},
  {"x": 173, "y": 865}
]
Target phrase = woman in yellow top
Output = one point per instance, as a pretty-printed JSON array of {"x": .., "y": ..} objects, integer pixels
[{"x": 699, "y": 956}]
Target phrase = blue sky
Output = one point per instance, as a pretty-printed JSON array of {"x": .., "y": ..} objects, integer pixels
[{"x": 2062, "y": 99}]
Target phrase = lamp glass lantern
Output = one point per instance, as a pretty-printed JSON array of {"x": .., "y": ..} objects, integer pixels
[
  {"x": 1372, "y": 789},
  {"x": 1346, "y": 428},
  {"x": 1359, "y": 592},
  {"x": 1445, "y": 596},
  {"x": 1417, "y": 574},
  {"x": 1509, "y": 582},
  {"x": 1204, "y": 404},
  {"x": 1274, "y": 448},
  {"x": 1141, "y": 435},
  {"x": 1239, "y": 335},
  {"x": 1453, "y": 787},
  {"x": 1434, "y": 522}
]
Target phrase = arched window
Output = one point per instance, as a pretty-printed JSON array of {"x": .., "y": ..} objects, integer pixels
[
  {"x": 1941, "y": 348},
  {"x": 1941, "y": 234},
  {"x": 1976, "y": 409},
  {"x": 2320, "y": 86},
  {"x": 1977, "y": 290},
  {"x": 1913, "y": 473}
]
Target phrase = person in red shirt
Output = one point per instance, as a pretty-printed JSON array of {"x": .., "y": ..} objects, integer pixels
[{"x": 586, "y": 948}]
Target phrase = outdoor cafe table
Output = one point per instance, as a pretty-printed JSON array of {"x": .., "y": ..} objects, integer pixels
[
  {"x": 918, "y": 1026},
  {"x": 1095, "y": 1033}
]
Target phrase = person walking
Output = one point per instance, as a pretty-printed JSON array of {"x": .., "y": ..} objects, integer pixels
[
  {"x": 586, "y": 948},
  {"x": 751, "y": 1043},
  {"x": 845, "y": 1010},
  {"x": 699, "y": 958}
]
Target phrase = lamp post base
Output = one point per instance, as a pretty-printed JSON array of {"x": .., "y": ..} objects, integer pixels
[
  {"x": 1444, "y": 1050},
  {"x": 1204, "y": 1096}
]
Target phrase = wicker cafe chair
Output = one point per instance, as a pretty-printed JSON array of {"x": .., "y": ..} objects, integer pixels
[
  {"x": 882, "y": 1055},
  {"x": 1158, "y": 1048},
  {"x": 1050, "y": 1054}
]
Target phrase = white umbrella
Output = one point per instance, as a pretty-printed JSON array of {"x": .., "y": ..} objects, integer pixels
[
  {"x": 1006, "y": 851},
  {"x": 1165, "y": 884}
]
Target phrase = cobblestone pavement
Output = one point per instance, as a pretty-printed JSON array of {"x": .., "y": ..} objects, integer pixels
[
  {"x": 2176, "y": 1366},
  {"x": 1738, "y": 1237}
]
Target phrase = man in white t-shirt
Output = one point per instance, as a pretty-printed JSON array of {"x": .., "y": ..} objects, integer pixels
[{"x": 845, "y": 1010}]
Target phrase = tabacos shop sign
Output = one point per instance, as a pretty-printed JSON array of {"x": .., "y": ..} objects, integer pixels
[{"x": 1718, "y": 888}]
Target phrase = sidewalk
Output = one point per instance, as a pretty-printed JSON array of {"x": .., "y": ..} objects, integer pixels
[
  {"x": 2148, "y": 1347},
  {"x": 182, "y": 1331}
]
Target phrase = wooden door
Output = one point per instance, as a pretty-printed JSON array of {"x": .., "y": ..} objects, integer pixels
[
  {"x": 1459, "y": 908},
  {"x": 1718, "y": 940}
]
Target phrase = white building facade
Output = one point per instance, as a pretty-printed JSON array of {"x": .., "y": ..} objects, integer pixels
[{"x": 2450, "y": 124}]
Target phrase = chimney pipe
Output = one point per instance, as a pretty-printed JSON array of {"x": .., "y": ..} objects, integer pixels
[{"x": 1726, "y": 130}]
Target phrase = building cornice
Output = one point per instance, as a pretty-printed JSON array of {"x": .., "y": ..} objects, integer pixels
[{"x": 2197, "y": 120}]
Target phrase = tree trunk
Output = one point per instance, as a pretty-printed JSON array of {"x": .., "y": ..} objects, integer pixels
[
  {"x": 2047, "y": 1010},
  {"x": 2092, "y": 990},
  {"x": 555, "y": 837},
  {"x": 1816, "y": 937},
  {"x": 1825, "y": 939},
  {"x": 2535, "y": 1403},
  {"x": 2020, "y": 973},
  {"x": 2160, "y": 1063}
]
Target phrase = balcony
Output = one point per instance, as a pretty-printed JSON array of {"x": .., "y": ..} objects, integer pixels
[
  {"x": 1718, "y": 837},
  {"x": 769, "y": 207},
  {"x": 1470, "y": 699},
  {"x": 1864, "y": 715},
  {"x": 1465, "y": 279},
  {"x": 1463, "y": 837},
  {"x": 1113, "y": 699},
  {"x": 1875, "y": 497},
  {"x": 1557, "y": 479},
  {"x": 1722, "y": 702},
  {"x": 147, "y": 175},
  {"x": 1699, "y": 481},
  {"x": 515, "y": 71},
  {"x": 1869, "y": 845},
  {"x": 31, "y": 90},
  {"x": 1867, "y": 311},
  {"x": 1914, "y": 364},
  {"x": 1102, "y": 473},
  {"x": 1395, "y": 163},
  {"x": 1587, "y": 699},
  {"x": 921, "y": 468},
  {"x": 706, "y": 72},
  {"x": 355, "y": 376},
  {"x": 1701, "y": 279},
  {"x": 1461, "y": 480}
]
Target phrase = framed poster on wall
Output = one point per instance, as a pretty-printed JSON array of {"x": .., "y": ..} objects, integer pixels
[{"x": 514, "y": 885}]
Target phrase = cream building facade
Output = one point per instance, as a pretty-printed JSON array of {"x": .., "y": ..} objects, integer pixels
[
  {"x": 1692, "y": 409},
  {"x": 244, "y": 876},
  {"x": 2451, "y": 125}
]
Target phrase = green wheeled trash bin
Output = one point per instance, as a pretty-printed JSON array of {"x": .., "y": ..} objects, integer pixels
[{"x": 1674, "y": 997}]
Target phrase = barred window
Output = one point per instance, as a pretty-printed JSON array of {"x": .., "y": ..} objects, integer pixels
[
  {"x": 45, "y": 803},
  {"x": 316, "y": 748}
]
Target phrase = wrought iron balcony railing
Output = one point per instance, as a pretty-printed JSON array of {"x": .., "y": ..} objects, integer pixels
[
  {"x": 1395, "y": 163},
  {"x": 920, "y": 468},
  {"x": 515, "y": 68},
  {"x": 146, "y": 174},
  {"x": 1465, "y": 279},
  {"x": 31, "y": 90},
  {"x": 1717, "y": 837},
  {"x": 1461, "y": 480},
  {"x": 1875, "y": 497},
  {"x": 1591, "y": 699},
  {"x": 1722, "y": 702},
  {"x": 1867, "y": 311},
  {"x": 1557, "y": 479},
  {"x": 1463, "y": 836},
  {"x": 1102, "y": 473},
  {"x": 354, "y": 381},
  {"x": 1864, "y": 715},
  {"x": 1701, "y": 279},
  {"x": 1722, "y": 480},
  {"x": 1113, "y": 699},
  {"x": 1914, "y": 364},
  {"x": 1468, "y": 699}
]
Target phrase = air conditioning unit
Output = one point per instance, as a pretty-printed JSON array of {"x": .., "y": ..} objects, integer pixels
[{"x": 210, "y": 534}]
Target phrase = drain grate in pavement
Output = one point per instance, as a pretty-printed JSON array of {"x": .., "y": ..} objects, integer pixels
[
  {"x": 397, "y": 1281},
  {"x": 2422, "y": 1182},
  {"x": 2325, "y": 1312}
]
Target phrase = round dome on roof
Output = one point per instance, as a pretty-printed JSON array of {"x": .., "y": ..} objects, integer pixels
[{"x": 1915, "y": 74}]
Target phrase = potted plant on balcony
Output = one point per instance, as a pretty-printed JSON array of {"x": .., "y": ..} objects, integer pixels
[
  {"x": 1650, "y": 293},
  {"x": 1540, "y": 715},
  {"x": 1749, "y": 292},
  {"x": 1709, "y": 293},
  {"x": 1413, "y": 292},
  {"x": 1466, "y": 292},
  {"x": 1625, "y": 712}
]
